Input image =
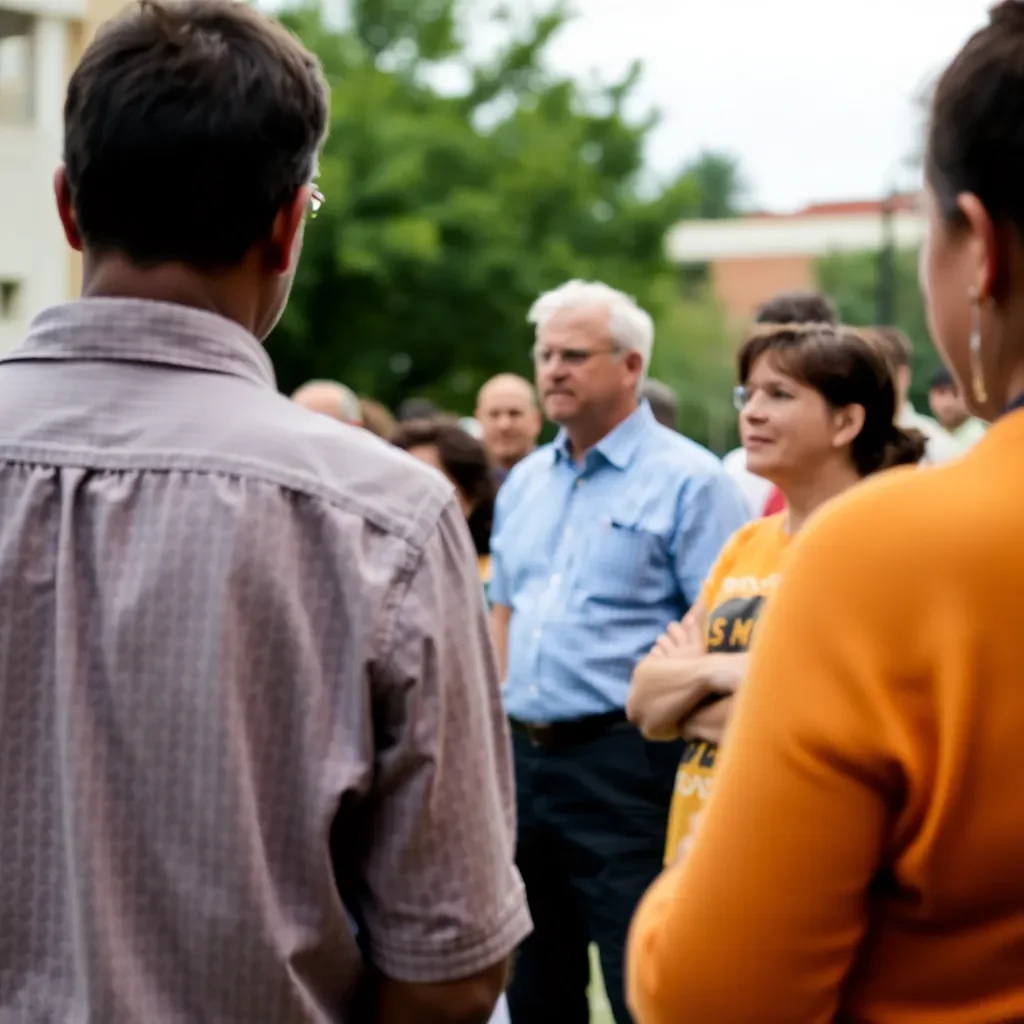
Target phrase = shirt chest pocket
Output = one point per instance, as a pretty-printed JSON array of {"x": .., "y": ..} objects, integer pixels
[{"x": 622, "y": 563}]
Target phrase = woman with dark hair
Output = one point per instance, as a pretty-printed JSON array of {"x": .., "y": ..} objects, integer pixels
[
  {"x": 817, "y": 406},
  {"x": 443, "y": 444},
  {"x": 861, "y": 856}
]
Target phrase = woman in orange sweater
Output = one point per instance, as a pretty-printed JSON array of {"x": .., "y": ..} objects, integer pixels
[{"x": 862, "y": 856}]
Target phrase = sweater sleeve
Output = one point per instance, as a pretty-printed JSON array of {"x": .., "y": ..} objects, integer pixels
[{"x": 762, "y": 919}]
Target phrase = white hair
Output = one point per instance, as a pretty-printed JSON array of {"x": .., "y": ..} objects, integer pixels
[
  {"x": 350, "y": 409},
  {"x": 630, "y": 327}
]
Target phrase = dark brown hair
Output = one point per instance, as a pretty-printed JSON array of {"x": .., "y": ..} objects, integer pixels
[
  {"x": 846, "y": 367},
  {"x": 187, "y": 127},
  {"x": 975, "y": 139},
  {"x": 465, "y": 460},
  {"x": 798, "y": 308},
  {"x": 896, "y": 343}
]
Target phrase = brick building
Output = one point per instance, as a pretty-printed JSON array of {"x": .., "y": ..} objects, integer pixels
[{"x": 748, "y": 259}]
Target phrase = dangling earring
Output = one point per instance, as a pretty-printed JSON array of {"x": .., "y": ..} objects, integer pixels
[{"x": 977, "y": 366}]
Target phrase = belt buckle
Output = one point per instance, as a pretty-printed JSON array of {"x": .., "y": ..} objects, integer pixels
[{"x": 540, "y": 734}]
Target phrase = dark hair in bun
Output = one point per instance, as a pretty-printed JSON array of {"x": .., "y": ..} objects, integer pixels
[
  {"x": 902, "y": 448},
  {"x": 975, "y": 139}
]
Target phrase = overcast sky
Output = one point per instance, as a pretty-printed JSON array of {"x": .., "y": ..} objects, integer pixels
[{"x": 813, "y": 96}]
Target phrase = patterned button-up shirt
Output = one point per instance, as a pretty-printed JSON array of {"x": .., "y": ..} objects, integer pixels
[{"x": 250, "y": 726}]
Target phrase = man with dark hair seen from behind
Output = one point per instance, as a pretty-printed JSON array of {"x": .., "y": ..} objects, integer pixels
[{"x": 249, "y": 722}]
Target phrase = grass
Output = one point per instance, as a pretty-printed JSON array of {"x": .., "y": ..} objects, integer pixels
[{"x": 600, "y": 1012}]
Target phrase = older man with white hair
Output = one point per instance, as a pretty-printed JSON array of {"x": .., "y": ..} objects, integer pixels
[{"x": 602, "y": 539}]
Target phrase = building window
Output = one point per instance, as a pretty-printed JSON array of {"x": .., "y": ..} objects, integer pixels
[
  {"x": 17, "y": 55},
  {"x": 10, "y": 300}
]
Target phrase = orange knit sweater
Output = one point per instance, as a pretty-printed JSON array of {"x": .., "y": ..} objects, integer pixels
[{"x": 862, "y": 855}]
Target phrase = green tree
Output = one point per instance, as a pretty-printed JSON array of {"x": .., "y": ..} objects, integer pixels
[
  {"x": 694, "y": 355},
  {"x": 720, "y": 185},
  {"x": 852, "y": 280},
  {"x": 448, "y": 211}
]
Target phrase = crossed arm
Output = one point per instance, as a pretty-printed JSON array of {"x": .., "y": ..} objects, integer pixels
[{"x": 680, "y": 689}]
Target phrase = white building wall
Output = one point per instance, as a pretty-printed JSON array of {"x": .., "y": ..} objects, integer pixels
[
  {"x": 769, "y": 237},
  {"x": 33, "y": 252}
]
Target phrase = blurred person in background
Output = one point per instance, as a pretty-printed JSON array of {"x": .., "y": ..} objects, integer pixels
[
  {"x": 417, "y": 409},
  {"x": 471, "y": 425},
  {"x": 941, "y": 447},
  {"x": 445, "y": 445},
  {"x": 817, "y": 405},
  {"x": 253, "y": 761},
  {"x": 797, "y": 307},
  {"x": 601, "y": 539},
  {"x": 860, "y": 858},
  {"x": 376, "y": 417},
  {"x": 948, "y": 406},
  {"x": 329, "y": 398},
  {"x": 663, "y": 400},
  {"x": 506, "y": 409}
]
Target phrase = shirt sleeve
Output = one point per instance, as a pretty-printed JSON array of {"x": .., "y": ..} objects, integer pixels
[
  {"x": 723, "y": 564},
  {"x": 713, "y": 509},
  {"x": 444, "y": 899},
  {"x": 762, "y": 919}
]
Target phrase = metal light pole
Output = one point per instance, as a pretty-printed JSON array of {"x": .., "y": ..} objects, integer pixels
[{"x": 886, "y": 277}]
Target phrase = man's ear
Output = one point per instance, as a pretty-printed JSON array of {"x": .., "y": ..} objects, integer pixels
[
  {"x": 65, "y": 209},
  {"x": 285, "y": 240}
]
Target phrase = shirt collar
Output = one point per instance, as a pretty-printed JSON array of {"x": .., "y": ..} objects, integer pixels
[
  {"x": 144, "y": 331},
  {"x": 619, "y": 445}
]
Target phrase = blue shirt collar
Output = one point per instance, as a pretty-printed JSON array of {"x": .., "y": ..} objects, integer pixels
[{"x": 619, "y": 446}]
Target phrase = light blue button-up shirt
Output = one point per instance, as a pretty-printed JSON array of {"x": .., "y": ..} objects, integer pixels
[{"x": 595, "y": 560}]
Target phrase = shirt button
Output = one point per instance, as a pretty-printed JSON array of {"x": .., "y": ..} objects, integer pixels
[
  {"x": 579, "y": 482},
  {"x": 556, "y": 579},
  {"x": 536, "y": 634},
  {"x": 532, "y": 691}
]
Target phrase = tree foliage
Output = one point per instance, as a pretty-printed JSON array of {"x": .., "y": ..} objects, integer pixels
[
  {"x": 852, "y": 280},
  {"x": 449, "y": 210},
  {"x": 720, "y": 186}
]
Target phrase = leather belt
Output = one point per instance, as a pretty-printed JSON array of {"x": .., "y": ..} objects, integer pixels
[{"x": 550, "y": 735}]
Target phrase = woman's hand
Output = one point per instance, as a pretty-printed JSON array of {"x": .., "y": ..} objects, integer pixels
[
  {"x": 661, "y": 692},
  {"x": 682, "y": 640},
  {"x": 709, "y": 723}
]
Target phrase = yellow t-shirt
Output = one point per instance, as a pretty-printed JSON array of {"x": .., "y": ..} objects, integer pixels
[{"x": 746, "y": 573}]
